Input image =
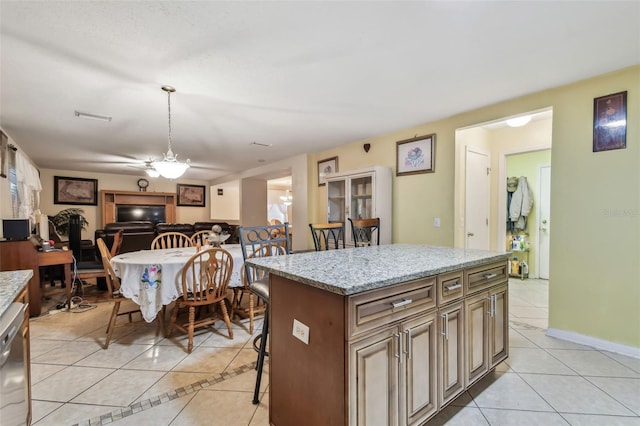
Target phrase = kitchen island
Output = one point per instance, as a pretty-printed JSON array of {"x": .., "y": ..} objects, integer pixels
[{"x": 381, "y": 335}]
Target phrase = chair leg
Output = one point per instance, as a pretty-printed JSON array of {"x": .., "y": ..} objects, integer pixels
[
  {"x": 225, "y": 315},
  {"x": 251, "y": 307},
  {"x": 261, "y": 354},
  {"x": 192, "y": 319},
  {"x": 174, "y": 318},
  {"x": 112, "y": 323}
]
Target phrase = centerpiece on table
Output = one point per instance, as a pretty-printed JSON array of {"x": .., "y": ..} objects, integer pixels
[{"x": 217, "y": 237}]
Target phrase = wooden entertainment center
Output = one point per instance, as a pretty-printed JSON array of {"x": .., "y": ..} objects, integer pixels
[{"x": 111, "y": 199}]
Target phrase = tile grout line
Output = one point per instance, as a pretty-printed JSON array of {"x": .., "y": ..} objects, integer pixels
[{"x": 166, "y": 397}]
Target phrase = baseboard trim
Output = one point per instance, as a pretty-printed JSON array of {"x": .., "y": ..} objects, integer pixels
[{"x": 601, "y": 344}]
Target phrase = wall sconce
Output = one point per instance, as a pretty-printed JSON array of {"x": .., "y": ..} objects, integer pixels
[{"x": 367, "y": 147}]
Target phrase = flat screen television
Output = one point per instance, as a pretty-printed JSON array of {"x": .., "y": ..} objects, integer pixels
[{"x": 153, "y": 214}]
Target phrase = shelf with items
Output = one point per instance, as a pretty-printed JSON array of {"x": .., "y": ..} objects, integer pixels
[{"x": 519, "y": 264}]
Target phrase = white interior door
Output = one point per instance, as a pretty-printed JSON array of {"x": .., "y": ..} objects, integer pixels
[
  {"x": 544, "y": 223},
  {"x": 477, "y": 199}
]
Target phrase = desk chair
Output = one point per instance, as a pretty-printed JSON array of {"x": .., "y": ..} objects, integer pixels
[
  {"x": 205, "y": 278},
  {"x": 260, "y": 241},
  {"x": 326, "y": 235},
  {"x": 114, "y": 295},
  {"x": 365, "y": 231},
  {"x": 170, "y": 240}
]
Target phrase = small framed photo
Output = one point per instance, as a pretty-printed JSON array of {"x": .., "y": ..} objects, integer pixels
[
  {"x": 326, "y": 166},
  {"x": 191, "y": 195},
  {"x": 610, "y": 122},
  {"x": 72, "y": 190},
  {"x": 416, "y": 155}
]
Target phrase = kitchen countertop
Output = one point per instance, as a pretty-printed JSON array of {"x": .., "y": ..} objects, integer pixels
[
  {"x": 355, "y": 270},
  {"x": 11, "y": 284}
]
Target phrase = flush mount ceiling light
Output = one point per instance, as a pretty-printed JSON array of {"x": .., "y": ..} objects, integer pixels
[
  {"x": 170, "y": 167},
  {"x": 519, "y": 121},
  {"x": 88, "y": 116}
]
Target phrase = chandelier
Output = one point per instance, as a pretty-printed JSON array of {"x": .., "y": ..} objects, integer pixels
[
  {"x": 170, "y": 167},
  {"x": 287, "y": 199}
]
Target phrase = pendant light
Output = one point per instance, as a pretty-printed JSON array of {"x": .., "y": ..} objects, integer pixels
[{"x": 170, "y": 167}]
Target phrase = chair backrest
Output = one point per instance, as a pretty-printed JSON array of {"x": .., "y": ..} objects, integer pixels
[
  {"x": 261, "y": 241},
  {"x": 365, "y": 231},
  {"x": 200, "y": 237},
  {"x": 206, "y": 275},
  {"x": 113, "y": 282},
  {"x": 327, "y": 236},
  {"x": 249, "y": 274},
  {"x": 170, "y": 240},
  {"x": 117, "y": 243}
]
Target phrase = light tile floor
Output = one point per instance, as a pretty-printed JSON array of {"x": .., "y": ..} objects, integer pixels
[{"x": 146, "y": 379}]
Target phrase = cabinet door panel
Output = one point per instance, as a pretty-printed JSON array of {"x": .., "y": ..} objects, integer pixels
[
  {"x": 499, "y": 325},
  {"x": 477, "y": 336},
  {"x": 418, "y": 371},
  {"x": 450, "y": 352},
  {"x": 373, "y": 391}
]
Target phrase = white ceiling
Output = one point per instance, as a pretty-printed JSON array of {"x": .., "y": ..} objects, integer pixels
[{"x": 301, "y": 76}]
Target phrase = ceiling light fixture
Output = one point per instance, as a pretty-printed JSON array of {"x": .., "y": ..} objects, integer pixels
[
  {"x": 170, "y": 167},
  {"x": 287, "y": 199},
  {"x": 151, "y": 172},
  {"x": 519, "y": 121},
  {"x": 92, "y": 116}
]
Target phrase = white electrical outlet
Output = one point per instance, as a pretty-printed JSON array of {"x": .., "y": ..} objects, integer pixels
[
  {"x": 301, "y": 331},
  {"x": 436, "y": 222}
]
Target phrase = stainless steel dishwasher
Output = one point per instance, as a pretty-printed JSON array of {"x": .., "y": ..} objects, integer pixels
[{"x": 13, "y": 374}]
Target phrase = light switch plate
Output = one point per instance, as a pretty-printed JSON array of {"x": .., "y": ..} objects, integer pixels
[
  {"x": 436, "y": 222},
  {"x": 301, "y": 331}
]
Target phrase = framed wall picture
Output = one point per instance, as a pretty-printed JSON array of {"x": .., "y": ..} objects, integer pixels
[
  {"x": 610, "y": 122},
  {"x": 72, "y": 190},
  {"x": 326, "y": 166},
  {"x": 191, "y": 195},
  {"x": 416, "y": 155}
]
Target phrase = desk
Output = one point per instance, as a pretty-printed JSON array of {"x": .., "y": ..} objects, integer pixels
[
  {"x": 15, "y": 255},
  {"x": 166, "y": 265}
]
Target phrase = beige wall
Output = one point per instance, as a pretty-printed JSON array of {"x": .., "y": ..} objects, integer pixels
[
  {"x": 226, "y": 207},
  {"x": 595, "y": 202}
]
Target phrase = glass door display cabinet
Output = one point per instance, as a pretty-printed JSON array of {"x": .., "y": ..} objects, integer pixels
[{"x": 361, "y": 194}]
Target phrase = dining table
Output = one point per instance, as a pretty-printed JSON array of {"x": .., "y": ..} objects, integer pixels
[{"x": 152, "y": 278}]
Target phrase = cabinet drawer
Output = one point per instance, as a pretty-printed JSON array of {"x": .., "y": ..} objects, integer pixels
[
  {"x": 381, "y": 307},
  {"x": 482, "y": 277},
  {"x": 450, "y": 287}
]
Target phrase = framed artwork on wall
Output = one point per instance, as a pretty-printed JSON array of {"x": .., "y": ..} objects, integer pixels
[
  {"x": 72, "y": 190},
  {"x": 326, "y": 166},
  {"x": 3, "y": 154},
  {"x": 416, "y": 155},
  {"x": 191, "y": 195},
  {"x": 610, "y": 122}
]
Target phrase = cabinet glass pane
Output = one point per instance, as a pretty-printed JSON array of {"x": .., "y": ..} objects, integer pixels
[
  {"x": 336, "y": 201},
  {"x": 361, "y": 203}
]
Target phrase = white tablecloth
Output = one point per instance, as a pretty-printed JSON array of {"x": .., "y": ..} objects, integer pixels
[{"x": 151, "y": 278}]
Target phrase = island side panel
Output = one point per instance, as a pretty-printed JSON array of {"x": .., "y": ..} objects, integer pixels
[{"x": 306, "y": 382}]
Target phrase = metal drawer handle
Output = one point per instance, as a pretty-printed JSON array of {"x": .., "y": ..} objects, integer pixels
[
  {"x": 399, "y": 303},
  {"x": 445, "y": 326},
  {"x": 453, "y": 287},
  {"x": 489, "y": 276}
]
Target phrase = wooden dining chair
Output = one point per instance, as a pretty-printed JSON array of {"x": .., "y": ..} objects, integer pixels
[
  {"x": 114, "y": 295},
  {"x": 260, "y": 241},
  {"x": 328, "y": 236},
  {"x": 365, "y": 232},
  {"x": 205, "y": 278},
  {"x": 200, "y": 237},
  {"x": 170, "y": 240}
]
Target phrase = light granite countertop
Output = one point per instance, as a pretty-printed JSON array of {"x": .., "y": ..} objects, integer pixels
[
  {"x": 11, "y": 284},
  {"x": 355, "y": 270}
]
